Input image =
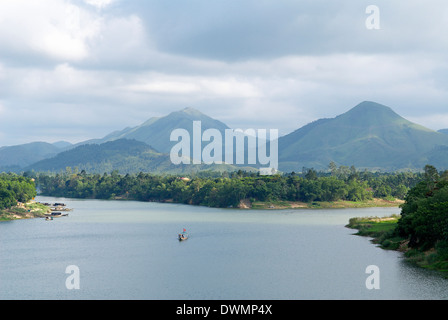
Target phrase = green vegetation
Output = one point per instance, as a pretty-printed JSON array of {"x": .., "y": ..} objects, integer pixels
[
  {"x": 130, "y": 156},
  {"x": 237, "y": 189},
  {"x": 381, "y": 229},
  {"x": 19, "y": 156},
  {"x": 15, "y": 192},
  {"x": 425, "y": 213},
  {"x": 15, "y": 188},
  {"x": 24, "y": 211},
  {"x": 370, "y": 135},
  {"x": 422, "y": 230}
]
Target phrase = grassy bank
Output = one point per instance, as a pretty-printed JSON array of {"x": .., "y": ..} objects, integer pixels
[
  {"x": 341, "y": 204},
  {"x": 383, "y": 232},
  {"x": 24, "y": 211}
]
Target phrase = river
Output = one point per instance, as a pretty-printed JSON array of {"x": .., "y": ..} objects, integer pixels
[{"x": 129, "y": 250}]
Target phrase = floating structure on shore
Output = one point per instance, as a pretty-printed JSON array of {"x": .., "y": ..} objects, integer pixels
[
  {"x": 50, "y": 216},
  {"x": 57, "y": 206},
  {"x": 55, "y": 210},
  {"x": 60, "y": 209}
]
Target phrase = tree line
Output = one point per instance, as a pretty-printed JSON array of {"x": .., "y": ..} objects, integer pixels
[
  {"x": 15, "y": 188},
  {"x": 217, "y": 189}
]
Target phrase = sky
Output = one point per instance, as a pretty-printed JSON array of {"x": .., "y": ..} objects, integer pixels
[{"x": 74, "y": 70}]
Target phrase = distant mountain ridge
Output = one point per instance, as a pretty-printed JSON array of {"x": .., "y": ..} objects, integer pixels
[
  {"x": 123, "y": 155},
  {"x": 25, "y": 154},
  {"x": 156, "y": 131},
  {"x": 369, "y": 135}
]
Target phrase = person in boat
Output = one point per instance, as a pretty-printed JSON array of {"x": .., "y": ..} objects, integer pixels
[{"x": 183, "y": 235}]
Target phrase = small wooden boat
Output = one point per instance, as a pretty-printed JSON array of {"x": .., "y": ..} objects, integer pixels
[
  {"x": 182, "y": 236},
  {"x": 50, "y": 216}
]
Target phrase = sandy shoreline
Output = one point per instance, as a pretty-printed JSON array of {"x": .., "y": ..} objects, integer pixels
[{"x": 341, "y": 204}]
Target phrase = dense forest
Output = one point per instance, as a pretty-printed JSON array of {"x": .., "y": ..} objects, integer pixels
[
  {"x": 424, "y": 215},
  {"x": 421, "y": 230},
  {"x": 217, "y": 189},
  {"x": 15, "y": 188}
]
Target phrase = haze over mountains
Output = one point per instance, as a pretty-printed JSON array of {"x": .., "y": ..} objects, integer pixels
[
  {"x": 14, "y": 158},
  {"x": 370, "y": 136}
]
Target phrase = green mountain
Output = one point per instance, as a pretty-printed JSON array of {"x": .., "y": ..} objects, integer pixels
[
  {"x": 156, "y": 131},
  {"x": 370, "y": 135},
  {"x": 124, "y": 155},
  {"x": 19, "y": 156}
]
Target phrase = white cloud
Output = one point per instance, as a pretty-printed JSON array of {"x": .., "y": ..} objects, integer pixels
[
  {"x": 123, "y": 42},
  {"x": 64, "y": 31},
  {"x": 66, "y": 37},
  {"x": 47, "y": 85},
  {"x": 196, "y": 86},
  {"x": 57, "y": 29},
  {"x": 169, "y": 87},
  {"x": 100, "y": 4}
]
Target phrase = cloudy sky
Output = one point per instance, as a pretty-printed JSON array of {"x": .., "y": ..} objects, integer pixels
[{"x": 78, "y": 69}]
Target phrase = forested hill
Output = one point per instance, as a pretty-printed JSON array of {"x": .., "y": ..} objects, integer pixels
[
  {"x": 105, "y": 157},
  {"x": 25, "y": 154},
  {"x": 370, "y": 135},
  {"x": 124, "y": 155}
]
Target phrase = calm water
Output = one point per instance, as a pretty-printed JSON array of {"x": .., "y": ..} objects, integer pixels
[{"x": 129, "y": 250}]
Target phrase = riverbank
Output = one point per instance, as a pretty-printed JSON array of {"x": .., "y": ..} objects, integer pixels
[
  {"x": 24, "y": 211},
  {"x": 382, "y": 231},
  {"x": 341, "y": 204},
  {"x": 283, "y": 204}
]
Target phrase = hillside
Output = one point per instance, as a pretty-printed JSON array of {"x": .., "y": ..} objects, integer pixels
[
  {"x": 156, "y": 131},
  {"x": 370, "y": 135},
  {"x": 25, "y": 154},
  {"x": 124, "y": 155}
]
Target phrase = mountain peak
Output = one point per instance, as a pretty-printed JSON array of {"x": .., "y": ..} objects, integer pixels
[
  {"x": 369, "y": 112},
  {"x": 370, "y": 135},
  {"x": 372, "y": 106},
  {"x": 191, "y": 111}
]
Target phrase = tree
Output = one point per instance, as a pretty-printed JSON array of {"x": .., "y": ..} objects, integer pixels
[
  {"x": 6, "y": 199},
  {"x": 310, "y": 174},
  {"x": 431, "y": 176},
  {"x": 424, "y": 215},
  {"x": 333, "y": 168}
]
